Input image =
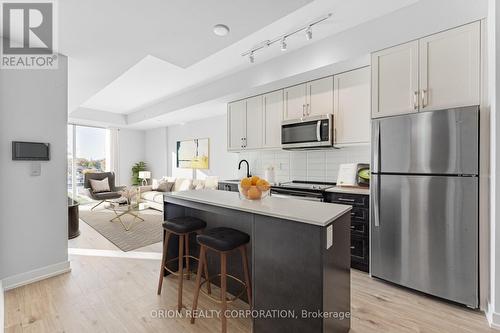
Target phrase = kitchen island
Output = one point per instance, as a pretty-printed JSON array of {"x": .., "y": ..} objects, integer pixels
[{"x": 299, "y": 256}]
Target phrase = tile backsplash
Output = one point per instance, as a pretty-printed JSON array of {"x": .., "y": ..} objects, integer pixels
[{"x": 314, "y": 165}]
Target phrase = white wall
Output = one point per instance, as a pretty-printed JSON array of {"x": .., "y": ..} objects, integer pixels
[
  {"x": 33, "y": 210},
  {"x": 131, "y": 144},
  {"x": 314, "y": 165},
  {"x": 156, "y": 152},
  {"x": 221, "y": 163},
  {"x": 494, "y": 92}
]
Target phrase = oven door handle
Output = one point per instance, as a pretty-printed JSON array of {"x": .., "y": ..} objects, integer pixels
[
  {"x": 318, "y": 130},
  {"x": 297, "y": 195}
]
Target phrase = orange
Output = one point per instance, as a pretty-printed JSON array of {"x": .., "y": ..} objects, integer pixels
[
  {"x": 244, "y": 191},
  {"x": 246, "y": 183},
  {"x": 254, "y": 179},
  {"x": 262, "y": 185},
  {"x": 254, "y": 193}
]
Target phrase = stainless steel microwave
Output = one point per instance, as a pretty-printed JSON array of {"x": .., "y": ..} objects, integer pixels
[{"x": 307, "y": 133}]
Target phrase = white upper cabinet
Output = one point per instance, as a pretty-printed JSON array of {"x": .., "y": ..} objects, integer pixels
[
  {"x": 436, "y": 72},
  {"x": 319, "y": 97},
  {"x": 254, "y": 132},
  {"x": 450, "y": 70},
  {"x": 236, "y": 120},
  {"x": 352, "y": 107},
  {"x": 295, "y": 101},
  {"x": 272, "y": 116},
  {"x": 395, "y": 80}
]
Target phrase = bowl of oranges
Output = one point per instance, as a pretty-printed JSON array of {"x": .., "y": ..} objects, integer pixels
[{"x": 254, "y": 188}]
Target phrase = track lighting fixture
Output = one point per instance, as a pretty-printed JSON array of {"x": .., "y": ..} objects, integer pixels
[
  {"x": 282, "y": 39},
  {"x": 283, "y": 43},
  {"x": 309, "y": 33}
]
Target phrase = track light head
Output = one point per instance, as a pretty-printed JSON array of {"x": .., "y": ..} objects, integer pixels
[
  {"x": 309, "y": 33},
  {"x": 283, "y": 44},
  {"x": 251, "y": 57}
]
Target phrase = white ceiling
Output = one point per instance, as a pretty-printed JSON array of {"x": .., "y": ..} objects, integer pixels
[
  {"x": 104, "y": 38},
  {"x": 152, "y": 51}
]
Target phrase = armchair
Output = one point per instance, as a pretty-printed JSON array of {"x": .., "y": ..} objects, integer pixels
[{"x": 103, "y": 197}]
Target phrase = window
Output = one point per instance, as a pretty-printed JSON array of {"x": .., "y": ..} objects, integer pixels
[{"x": 86, "y": 153}]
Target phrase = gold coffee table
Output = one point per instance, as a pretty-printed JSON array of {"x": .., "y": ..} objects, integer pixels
[{"x": 132, "y": 209}]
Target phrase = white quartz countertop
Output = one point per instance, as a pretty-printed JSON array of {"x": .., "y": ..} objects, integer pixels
[
  {"x": 311, "y": 212},
  {"x": 352, "y": 190}
]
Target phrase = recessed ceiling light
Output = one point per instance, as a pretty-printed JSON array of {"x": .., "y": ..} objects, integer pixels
[{"x": 221, "y": 29}]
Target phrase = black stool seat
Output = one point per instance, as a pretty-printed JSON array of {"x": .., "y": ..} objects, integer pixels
[
  {"x": 223, "y": 239},
  {"x": 184, "y": 224}
]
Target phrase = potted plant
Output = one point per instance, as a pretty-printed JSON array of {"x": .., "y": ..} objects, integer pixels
[{"x": 139, "y": 166}]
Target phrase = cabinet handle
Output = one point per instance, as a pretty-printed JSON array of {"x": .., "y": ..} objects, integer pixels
[
  {"x": 308, "y": 109},
  {"x": 353, "y": 247},
  {"x": 310, "y": 99},
  {"x": 347, "y": 200},
  {"x": 415, "y": 100},
  {"x": 303, "y": 110},
  {"x": 424, "y": 93}
]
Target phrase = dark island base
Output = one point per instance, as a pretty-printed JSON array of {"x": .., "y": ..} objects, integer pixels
[{"x": 294, "y": 277}]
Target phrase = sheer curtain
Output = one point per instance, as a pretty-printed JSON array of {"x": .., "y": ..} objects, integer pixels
[{"x": 112, "y": 144}]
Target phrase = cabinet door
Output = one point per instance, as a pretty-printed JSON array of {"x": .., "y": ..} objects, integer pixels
[
  {"x": 320, "y": 96},
  {"x": 295, "y": 101},
  {"x": 236, "y": 120},
  {"x": 352, "y": 106},
  {"x": 395, "y": 80},
  {"x": 273, "y": 115},
  {"x": 253, "y": 139},
  {"x": 450, "y": 68}
]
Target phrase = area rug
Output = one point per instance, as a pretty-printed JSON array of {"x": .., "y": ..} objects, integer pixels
[{"x": 141, "y": 233}]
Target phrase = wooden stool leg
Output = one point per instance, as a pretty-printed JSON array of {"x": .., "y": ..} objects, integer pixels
[
  {"x": 248, "y": 283},
  {"x": 180, "y": 271},
  {"x": 205, "y": 265},
  {"x": 223, "y": 287},
  {"x": 187, "y": 256},
  {"x": 201, "y": 263},
  {"x": 163, "y": 261}
]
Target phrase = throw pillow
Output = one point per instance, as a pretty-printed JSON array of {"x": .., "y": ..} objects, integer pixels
[
  {"x": 165, "y": 186},
  {"x": 99, "y": 185}
]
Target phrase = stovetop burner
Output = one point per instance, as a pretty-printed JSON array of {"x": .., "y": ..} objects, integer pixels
[{"x": 306, "y": 185}]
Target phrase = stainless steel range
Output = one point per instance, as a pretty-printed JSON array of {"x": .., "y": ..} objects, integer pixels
[{"x": 305, "y": 190}]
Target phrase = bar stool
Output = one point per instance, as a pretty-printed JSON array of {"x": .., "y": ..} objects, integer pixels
[
  {"x": 223, "y": 240},
  {"x": 182, "y": 227}
]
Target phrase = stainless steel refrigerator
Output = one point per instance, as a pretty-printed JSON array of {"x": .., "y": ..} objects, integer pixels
[{"x": 424, "y": 202}]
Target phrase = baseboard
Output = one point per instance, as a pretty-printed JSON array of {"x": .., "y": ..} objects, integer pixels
[
  {"x": 35, "y": 275},
  {"x": 493, "y": 318}
]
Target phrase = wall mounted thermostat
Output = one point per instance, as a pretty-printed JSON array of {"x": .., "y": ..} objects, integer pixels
[{"x": 36, "y": 169}]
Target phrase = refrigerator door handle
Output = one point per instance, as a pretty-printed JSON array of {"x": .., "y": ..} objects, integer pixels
[
  {"x": 376, "y": 198},
  {"x": 376, "y": 147}
]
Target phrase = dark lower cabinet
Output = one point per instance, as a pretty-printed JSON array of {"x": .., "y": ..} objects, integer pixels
[{"x": 360, "y": 227}]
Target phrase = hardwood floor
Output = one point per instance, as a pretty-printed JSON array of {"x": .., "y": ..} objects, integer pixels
[{"x": 118, "y": 294}]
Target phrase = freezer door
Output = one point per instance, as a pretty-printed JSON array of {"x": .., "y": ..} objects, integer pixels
[
  {"x": 424, "y": 234},
  {"x": 437, "y": 142}
]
